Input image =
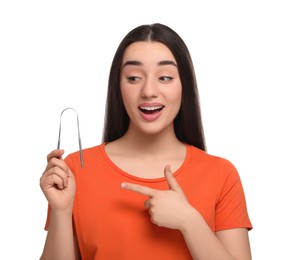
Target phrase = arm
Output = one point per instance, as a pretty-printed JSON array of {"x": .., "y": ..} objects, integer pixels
[
  {"x": 60, "y": 242},
  {"x": 204, "y": 244},
  {"x": 171, "y": 209},
  {"x": 58, "y": 186},
  {"x": 236, "y": 240}
]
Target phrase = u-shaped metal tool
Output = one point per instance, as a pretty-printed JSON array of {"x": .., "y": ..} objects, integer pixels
[{"x": 79, "y": 139}]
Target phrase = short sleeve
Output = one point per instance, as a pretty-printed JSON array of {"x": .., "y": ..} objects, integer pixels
[{"x": 231, "y": 208}]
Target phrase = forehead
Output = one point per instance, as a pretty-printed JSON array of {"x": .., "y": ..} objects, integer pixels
[{"x": 148, "y": 51}]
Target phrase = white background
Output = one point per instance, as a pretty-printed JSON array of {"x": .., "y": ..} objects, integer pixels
[{"x": 55, "y": 54}]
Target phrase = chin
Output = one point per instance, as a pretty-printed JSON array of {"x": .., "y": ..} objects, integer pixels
[{"x": 154, "y": 129}]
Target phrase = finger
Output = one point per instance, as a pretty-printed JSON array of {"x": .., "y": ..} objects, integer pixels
[
  {"x": 56, "y": 171},
  {"x": 55, "y": 153},
  {"x": 147, "y": 203},
  {"x": 55, "y": 162},
  {"x": 173, "y": 184},
  {"x": 139, "y": 189},
  {"x": 52, "y": 180},
  {"x": 55, "y": 180}
]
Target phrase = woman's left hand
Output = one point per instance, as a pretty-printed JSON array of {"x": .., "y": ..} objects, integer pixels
[{"x": 167, "y": 208}]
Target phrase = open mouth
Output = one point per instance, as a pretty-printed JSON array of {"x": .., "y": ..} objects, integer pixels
[{"x": 151, "y": 110}]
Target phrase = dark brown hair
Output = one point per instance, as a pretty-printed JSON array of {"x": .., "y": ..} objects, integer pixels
[{"x": 188, "y": 122}]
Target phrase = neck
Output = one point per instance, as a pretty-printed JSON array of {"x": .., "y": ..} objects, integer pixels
[{"x": 151, "y": 144}]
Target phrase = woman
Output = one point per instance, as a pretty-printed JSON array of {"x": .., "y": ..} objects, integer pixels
[{"x": 150, "y": 190}]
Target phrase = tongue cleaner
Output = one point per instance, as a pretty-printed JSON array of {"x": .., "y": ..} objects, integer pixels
[{"x": 79, "y": 139}]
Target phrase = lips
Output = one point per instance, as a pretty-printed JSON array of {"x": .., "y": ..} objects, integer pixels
[{"x": 151, "y": 111}]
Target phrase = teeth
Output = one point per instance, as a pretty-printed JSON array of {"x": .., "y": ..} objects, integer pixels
[{"x": 151, "y": 108}]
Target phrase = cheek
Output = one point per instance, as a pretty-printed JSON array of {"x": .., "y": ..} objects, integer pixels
[
  {"x": 177, "y": 101},
  {"x": 128, "y": 97},
  {"x": 176, "y": 96}
]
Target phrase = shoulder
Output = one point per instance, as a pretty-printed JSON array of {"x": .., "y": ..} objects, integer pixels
[
  {"x": 90, "y": 151},
  {"x": 200, "y": 156},
  {"x": 220, "y": 167},
  {"x": 90, "y": 154}
]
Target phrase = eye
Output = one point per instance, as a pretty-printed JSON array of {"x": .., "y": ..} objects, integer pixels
[
  {"x": 165, "y": 78},
  {"x": 133, "y": 79}
]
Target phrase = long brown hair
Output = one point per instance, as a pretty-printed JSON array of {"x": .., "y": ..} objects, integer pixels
[{"x": 188, "y": 122}]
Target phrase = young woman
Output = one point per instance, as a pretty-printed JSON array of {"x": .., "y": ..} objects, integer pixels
[{"x": 150, "y": 190}]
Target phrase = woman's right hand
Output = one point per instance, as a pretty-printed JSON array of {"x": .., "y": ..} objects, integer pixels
[{"x": 57, "y": 183}]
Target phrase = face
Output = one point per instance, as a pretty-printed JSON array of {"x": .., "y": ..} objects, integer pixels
[{"x": 150, "y": 86}]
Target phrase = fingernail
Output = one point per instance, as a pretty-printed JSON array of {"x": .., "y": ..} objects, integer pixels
[{"x": 123, "y": 185}]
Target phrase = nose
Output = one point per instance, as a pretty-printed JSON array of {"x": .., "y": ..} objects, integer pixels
[{"x": 149, "y": 89}]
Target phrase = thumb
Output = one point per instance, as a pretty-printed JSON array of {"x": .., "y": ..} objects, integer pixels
[{"x": 173, "y": 184}]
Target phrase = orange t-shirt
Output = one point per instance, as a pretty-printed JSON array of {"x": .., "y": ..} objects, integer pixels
[{"x": 112, "y": 223}]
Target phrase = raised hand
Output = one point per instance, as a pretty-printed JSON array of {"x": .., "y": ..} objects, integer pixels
[
  {"x": 57, "y": 182},
  {"x": 167, "y": 208}
]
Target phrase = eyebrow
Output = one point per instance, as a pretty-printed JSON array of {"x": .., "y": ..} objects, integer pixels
[{"x": 139, "y": 63}]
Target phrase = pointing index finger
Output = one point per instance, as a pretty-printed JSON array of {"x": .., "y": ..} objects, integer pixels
[{"x": 139, "y": 189}]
